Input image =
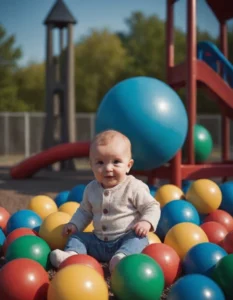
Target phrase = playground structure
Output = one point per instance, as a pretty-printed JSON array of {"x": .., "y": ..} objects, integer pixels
[
  {"x": 205, "y": 66},
  {"x": 60, "y": 97}
]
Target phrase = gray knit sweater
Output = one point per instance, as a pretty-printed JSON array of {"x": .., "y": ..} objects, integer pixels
[{"x": 114, "y": 211}]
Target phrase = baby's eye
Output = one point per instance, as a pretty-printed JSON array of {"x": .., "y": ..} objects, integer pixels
[
  {"x": 100, "y": 162},
  {"x": 116, "y": 161}
]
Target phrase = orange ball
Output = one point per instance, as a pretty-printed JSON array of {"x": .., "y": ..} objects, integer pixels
[
  {"x": 153, "y": 238},
  {"x": 78, "y": 282},
  {"x": 69, "y": 207},
  {"x": 83, "y": 259},
  {"x": 205, "y": 195},
  {"x": 89, "y": 228},
  {"x": 51, "y": 229},
  {"x": 167, "y": 193},
  {"x": 42, "y": 205},
  {"x": 183, "y": 236}
]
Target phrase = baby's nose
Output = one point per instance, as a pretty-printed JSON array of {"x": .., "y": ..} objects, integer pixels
[{"x": 108, "y": 167}]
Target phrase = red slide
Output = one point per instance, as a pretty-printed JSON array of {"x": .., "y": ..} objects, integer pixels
[{"x": 33, "y": 164}]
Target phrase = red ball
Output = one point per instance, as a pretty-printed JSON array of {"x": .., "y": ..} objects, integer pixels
[
  {"x": 215, "y": 231},
  {"x": 227, "y": 243},
  {"x": 15, "y": 234},
  {"x": 4, "y": 217},
  {"x": 168, "y": 260},
  {"x": 25, "y": 279},
  {"x": 221, "y": 217},
  {"x": 83, "y": 259}
]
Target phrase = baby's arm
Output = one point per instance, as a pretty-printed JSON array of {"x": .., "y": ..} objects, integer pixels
[
  {"x": 81, "y": 218},
  {"x": 150, "y": 212}
]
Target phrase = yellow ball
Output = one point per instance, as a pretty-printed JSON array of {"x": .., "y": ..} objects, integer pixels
[
  {"x": 89, "y": 228},
  {"x": 69, "y": 207},
  {"x": 42, "y": 205},
  {"x": 78, "y": 282},
  {"x": 167, "y": 193},
  {"x": 153, "y": 238},
  {"x": 51, "y": 229},
  {"x": 183, "y": 236},
  {"x": 205, "y": 195}
]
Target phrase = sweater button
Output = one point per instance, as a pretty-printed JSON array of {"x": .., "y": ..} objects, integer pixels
[
  {"x": 106, "y": 193},
  {"x": 104, "y": 228},
  {"x": 105, "y": 211}
]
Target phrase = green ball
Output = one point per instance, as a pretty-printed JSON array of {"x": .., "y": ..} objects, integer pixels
[
  {"x": 137, "y": 277},
  {"x": 222, "y": 274},
  {"x": 203, "y": 143},
  {"x": 32, "y": 247}
]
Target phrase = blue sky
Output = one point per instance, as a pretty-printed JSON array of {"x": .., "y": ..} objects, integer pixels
[{"x": 24, "y": 18}]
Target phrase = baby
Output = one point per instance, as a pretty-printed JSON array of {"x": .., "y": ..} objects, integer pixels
[{"x": 120, "y": 206}]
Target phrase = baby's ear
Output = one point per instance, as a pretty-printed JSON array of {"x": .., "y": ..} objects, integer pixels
[{"x": 130, "y": 164}]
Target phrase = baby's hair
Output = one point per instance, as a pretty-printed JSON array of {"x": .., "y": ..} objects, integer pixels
[{"x": 104, "y": 137}]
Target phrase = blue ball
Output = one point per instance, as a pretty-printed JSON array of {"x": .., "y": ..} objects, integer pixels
[
  {"x": 152, "y": 189},
  {"x": 2, "y": 237},
  {"x": 195, "y": 287},
  {"x": 24, "y": 218},
  {"x": 76, "y": 194},
  {"x": 150, "y": 114},
  {"x": 202, "y": 258},
  {"x": 202, "y": 217},
  {"x": 227, "y": 196},
  {"x": 61, "y": 198},
  {"x": 175, "y": 212},
  {"x": 186, "y": 185}
]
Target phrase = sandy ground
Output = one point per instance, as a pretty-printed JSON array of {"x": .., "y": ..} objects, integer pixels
[{"x": 16, "y": 194}]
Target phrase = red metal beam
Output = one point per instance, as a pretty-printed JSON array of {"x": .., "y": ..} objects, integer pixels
[
  {"x": 225, "y": 120},
  {"x": 189, "y": 171},
  {"x": 191, "y": 88}
]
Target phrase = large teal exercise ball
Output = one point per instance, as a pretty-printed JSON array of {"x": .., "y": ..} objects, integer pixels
[{"x": 151, "y": 114}]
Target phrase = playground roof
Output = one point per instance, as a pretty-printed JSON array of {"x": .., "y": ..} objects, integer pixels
[
  {"x": 223, "y": 9},
  {"x": 59, "y": 15}
]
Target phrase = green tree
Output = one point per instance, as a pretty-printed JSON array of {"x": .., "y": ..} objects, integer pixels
[
  {"x": 99, "y": 59},
  {"x": 31, "y": 86},
  {"x": 9, "y": 54},
  {"x": 145, "y": 45}
]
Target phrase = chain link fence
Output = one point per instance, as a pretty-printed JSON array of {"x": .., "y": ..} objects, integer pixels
[{"x": 21, "y": 133}]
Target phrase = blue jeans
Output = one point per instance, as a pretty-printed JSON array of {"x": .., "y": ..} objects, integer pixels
[{"x": 88, "y": 243}]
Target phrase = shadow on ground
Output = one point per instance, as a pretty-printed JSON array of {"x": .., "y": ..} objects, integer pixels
[
  {"x": 15, "y": 194},
  {"x": 44, "y": 181}
]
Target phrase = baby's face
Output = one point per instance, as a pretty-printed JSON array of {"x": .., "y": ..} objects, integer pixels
[{"x": 111, "y": 162}]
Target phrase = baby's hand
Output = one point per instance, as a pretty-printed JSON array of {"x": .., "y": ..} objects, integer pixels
[
  {"x": 68, "y": 229},
  {"x": 142, "y": 228}
]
